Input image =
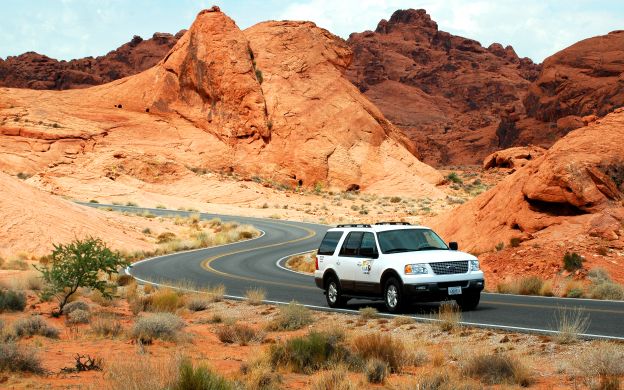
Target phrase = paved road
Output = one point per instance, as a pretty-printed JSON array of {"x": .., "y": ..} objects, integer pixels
[{"x": 253, "y": 263}]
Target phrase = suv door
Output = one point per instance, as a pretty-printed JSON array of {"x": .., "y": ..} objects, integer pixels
[
  {"x": 347, "y": 258},
  {"x": 366, "y": 274}
]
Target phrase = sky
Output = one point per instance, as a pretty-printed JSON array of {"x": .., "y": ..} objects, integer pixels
[{"x": 67, "y": 29}]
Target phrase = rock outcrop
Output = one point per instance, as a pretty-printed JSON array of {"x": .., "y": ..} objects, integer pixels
[
  {"x": 271, "y": 101},
  {"x": 574, "y": 190},
  {"x": 37, "y": 71},
  {"x": 445, "y": 92},
  {"x": 512, "y": 158}
]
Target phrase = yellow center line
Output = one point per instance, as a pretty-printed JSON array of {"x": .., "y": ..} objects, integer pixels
[
  {"x": 549, "y": 307},
  {"x": 207, "y": 264}
]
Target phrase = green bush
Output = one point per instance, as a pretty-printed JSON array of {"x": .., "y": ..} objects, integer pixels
[
  {"x": 199, "y": 378},
  {"x": 12, "y": 300},
  {"x": 35, "y": 325},
  {"x": 291, "y": 317},
  {"x": 19, "y": 358},
  {"x": 310, "y": 353},
  {"x": 572, "y": 261},
  {"x": 79, "y": 264},
  {"x": 163, "y": 326},
  {"x": 454, "y": 178}
]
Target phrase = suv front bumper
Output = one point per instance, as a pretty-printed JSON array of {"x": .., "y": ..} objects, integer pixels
[{"x": 432, "y": 292}]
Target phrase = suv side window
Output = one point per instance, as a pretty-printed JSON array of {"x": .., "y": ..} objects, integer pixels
[
  {"x": 351, "y": 244},
  {"x": 368, "y": 247},
  {"x": 329, "y": 243}
]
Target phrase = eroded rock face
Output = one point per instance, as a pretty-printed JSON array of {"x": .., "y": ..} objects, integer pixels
[
  {"x": 444, "y": 91},
  {"x": 513, "y": 158},
  {"x": 577, "y": 182},
  {"x": 271, "y": 101},
  {"x": 36, "y": 71}
]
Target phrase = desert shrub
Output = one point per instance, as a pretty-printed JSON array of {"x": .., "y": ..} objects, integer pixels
[
  {"x": 259, "y": 76},
  {"x": 35, "y": 325},
  {"x": 106, "y": 325},
  {"x": 291, "y": 317},
  {"x": 572, "y": 261},
  {"x": 570, "y": 324},
  {"x": 607, "y": 290},
  {"x": 78, "y": 316},
  {"x": 530, "y": 285},
  {"x": 376, "y": 371},
  {"x": 310, "y": 353},
  {"x": 198, "y": 378},
  {"x": 335, "y": 379},
  {"x": 75, "y": 305},
  {"x": 449, "y": 316},
  {"x": 161, "y": 206},
  {"x": 17, "y": 264},
  {"x": 163, "y": 326},
  {"x": 132, "y": 204},
  {"x": 11, "y": 300},
  {"x": 443, "y": 380},
  {"x": 124, "y": 280},
  {"x": 381, "y": 347},
  {"x": 165, "y": 300},
  {"x": 500, "y": 246},
  {"x": 197, "y": 302},
  {"x": 165, "y": 237},
  {"x": 498, "y": 369},
  {"x": 19, "y": 358},
  {"x": 79, "y": 264},
  {"x": 454, "y": 178},
  {"x": 403, "y": 320},
  {"x": 239, "y": 333},
  {"x": 514, "y": 242},
  {"x": 255, "y": 296},
  {"x": 140, "y": 372},
  {"x": 395, "y": 199},
  {"x": 368, "y": 313},
  {"x": 602, "y": 365},
  {"x": 259, "y": 375},
  {"x": 547, "y": 289}
]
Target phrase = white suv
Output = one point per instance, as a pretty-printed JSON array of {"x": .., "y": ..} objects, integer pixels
[{"x": 396, "y": 262}]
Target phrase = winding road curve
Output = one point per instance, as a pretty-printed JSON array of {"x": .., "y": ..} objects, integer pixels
[{"x": 259, "y": 263}]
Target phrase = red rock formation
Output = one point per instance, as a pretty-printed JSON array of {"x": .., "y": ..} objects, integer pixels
[
  {"x": 36, "y": 71},
  {"x": 513, "y": 157},
  {"x": 271, "y": 101},
  {"x": 445, "y": 92}
]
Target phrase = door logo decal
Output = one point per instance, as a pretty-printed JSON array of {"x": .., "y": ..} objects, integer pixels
[{"x": 366, "y": 267}]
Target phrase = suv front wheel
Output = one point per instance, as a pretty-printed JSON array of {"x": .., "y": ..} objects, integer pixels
[
  {"x": 333, "y": 293},
  {"x": 393, "y": 296},
  {"x": 469, "y": 301}
]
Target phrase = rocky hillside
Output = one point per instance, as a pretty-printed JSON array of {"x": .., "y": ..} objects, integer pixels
[
  {"x": 36, "y": 71},
  {"x": 271, "y": 101},
  {"x": 445, "y": 92}
]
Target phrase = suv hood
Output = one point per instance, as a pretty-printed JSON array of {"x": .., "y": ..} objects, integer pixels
[{"x": 431, "y": 256}]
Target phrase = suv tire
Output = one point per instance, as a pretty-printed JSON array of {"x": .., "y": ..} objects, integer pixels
[
  {"x": 469, "y": 301},
  {"x": 333, "y": 293},
  {"x": 393, "y": 296}
]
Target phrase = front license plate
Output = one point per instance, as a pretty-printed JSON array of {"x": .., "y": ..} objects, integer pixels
[{"x": 454, "y": 291}]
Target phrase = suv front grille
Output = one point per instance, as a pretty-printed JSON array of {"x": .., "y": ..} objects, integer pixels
[{"x": 449, "y": 267}]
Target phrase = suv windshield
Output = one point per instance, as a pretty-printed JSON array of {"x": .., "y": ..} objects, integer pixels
[{"x": 409, "y": 240}]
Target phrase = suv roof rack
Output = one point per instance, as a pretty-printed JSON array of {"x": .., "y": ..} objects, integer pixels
[
  {"x": 393, "y": 223},
  {"x": 355, "y": 225}
]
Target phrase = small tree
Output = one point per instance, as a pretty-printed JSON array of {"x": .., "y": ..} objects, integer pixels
[{"x": 80, "y": 263}]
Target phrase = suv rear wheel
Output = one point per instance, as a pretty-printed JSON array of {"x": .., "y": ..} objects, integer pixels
[
  {"x": 469, "y": 301},
  {"x": 333, "y": 293},
  {"x": 393, "y": 296}
]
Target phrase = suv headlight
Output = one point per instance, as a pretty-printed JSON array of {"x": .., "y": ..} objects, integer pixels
[
  {"x": 474, "y": 265},
  {"x": 416, "y": 269}
]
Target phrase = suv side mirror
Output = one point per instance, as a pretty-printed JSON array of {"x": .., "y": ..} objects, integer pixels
[{"x": 453, "y": 246}]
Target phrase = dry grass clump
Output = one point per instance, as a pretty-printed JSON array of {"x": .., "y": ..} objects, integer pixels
[
  {"x": 11, "y": 300},
  {"x": 35, "y": 325},
  {"x": 602, "y": 366},
  {"x": 19, "y": 358},
  {"x": 442, "y": 380},
  {"x": 198, "y": 302},
  {"x": 602, "y": 287},
  {"x": 75, "y": 305},
  {"x": 403, "y": 320},
  {"x": 163, "y": 326},
  {"x": 140, "y": 372},
  {"x": 309, "y": 353},
  {"x": 239, "y": 333},
  {"x": 302, "y": 263},
  {"x": 381, "y": 347},
  {"x": 255, "y": 296},
  {"x": 291, "y": 317},
  {"x": 124, "y": 280},
  {"x": 368, "y": 313},
  {"x": 496, "y": 369},
  {"x": 335, "y": 379},
  {"x": 191, "y": 377},
  {"x": 449, "y": 316},
  {"x": 165, "y": 300},
  {"x": 259, "y": 375},
  {"x": 528, "y": 285},
  {"x": 376, "y": 371},
  {"x": 571, "y": 322},
  {"x": 79, "y": 316},
  {"x": 106, "y": 325}
]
